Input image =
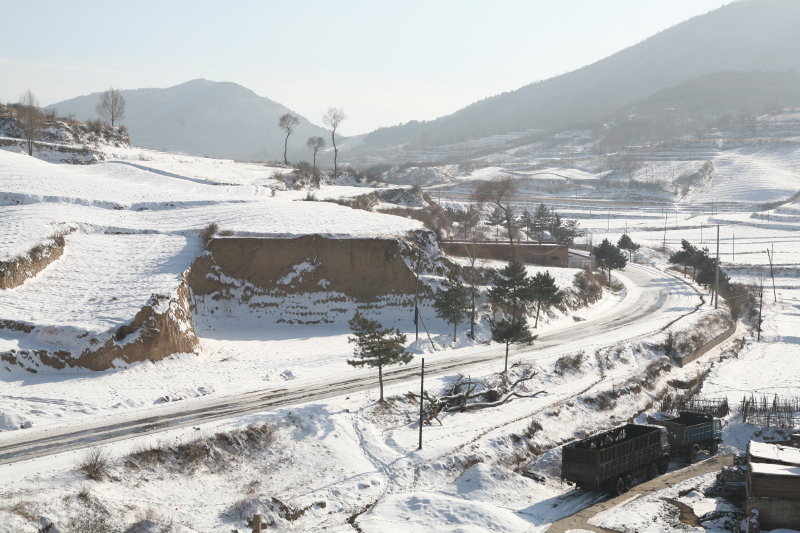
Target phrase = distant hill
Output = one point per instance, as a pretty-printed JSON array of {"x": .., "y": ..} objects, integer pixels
[
  {"x": 744, "y": 36},
  {"x": 201, "y": 117}
]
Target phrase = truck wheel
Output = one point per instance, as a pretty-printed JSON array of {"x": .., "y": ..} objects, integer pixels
[
  {"x": 652, "y": 470},
  {"x": 663, "y": 465},
  {"x": 713, "y": 447},
  {"x": 619, "y": 486}
]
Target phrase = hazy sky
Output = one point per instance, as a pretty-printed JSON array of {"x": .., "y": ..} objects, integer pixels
[{"x": 383, "y": 62}]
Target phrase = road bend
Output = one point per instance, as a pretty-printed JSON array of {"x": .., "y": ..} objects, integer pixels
[{"x": 652, "y": 300}]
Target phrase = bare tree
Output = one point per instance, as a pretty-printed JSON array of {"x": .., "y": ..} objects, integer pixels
[
  {"x": 316, "y": 144},
  {"x": 287, "y": 123},
  {"x": 332, "y": 118},
  {"x": 111, "y": 106},
  {"x": 30, "y": 119},
  {"x": 499, "y": 193}
]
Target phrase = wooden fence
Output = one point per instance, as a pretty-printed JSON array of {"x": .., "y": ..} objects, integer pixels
[{"x": 778, "y": 412}]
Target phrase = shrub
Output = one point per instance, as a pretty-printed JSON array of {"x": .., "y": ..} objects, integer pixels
[
  {"x": 94, "y": 126},
  {"x": 533, "y": 428},
  {"x": 589, "y": 286},
  {"x": 208, "y": 233},
  {"x": 569, "y": 362},
  {"x": 96, "y": 465}
]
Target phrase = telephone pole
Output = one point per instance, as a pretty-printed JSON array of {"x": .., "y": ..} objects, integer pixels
[
  {"x": 760, "y": 307},
  {"x": 716, "y": 275},
  {"x": 421, "y": 400}
]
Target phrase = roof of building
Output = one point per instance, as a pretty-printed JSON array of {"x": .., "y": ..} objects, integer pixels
[
  {"x": 774, "y": 452},
  {"x": 775, "y": 470}
]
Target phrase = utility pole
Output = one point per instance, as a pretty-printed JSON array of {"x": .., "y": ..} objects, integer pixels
[
  {"x": 416, "y": 297},
  {"x": 664, "y": 243},
  {"x": 421, "y": 400},
  {"x": 716, "y": 275},
  {"x": 771, "y": 272},
  {"x": 760, "y": 307}
]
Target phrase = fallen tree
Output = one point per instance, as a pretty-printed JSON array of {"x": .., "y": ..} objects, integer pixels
[{"x": 462, "y": 395}]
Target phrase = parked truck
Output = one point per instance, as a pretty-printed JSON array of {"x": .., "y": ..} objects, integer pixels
[
  {"x": 613, "y": 459},
  {"x": 690, "y": 432}
]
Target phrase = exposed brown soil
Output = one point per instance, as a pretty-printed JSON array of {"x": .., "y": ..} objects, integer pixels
[
  {"x": 13, "y": 273},
  {"x": 158, "y": 335},
  {"x": 363, "y": 269}
]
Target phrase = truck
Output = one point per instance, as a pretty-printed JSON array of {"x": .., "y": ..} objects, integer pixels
[
  {"x": 611, "y": 460},
  {"x": 690, "y": 432}
]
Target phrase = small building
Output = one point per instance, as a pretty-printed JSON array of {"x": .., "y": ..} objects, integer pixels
[
  {"x": 581, "y": 259},
  {"x": 545, "y": 253},
  {"x": 773, "y": 484}
]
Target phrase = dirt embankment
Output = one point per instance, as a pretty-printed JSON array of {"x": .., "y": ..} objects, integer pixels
[
  {"x": 306, "y": 280},
  {"x": 161, "y": 328},
  {"x": 14, "y": 272},
  {"x": 363, "y": 269}
]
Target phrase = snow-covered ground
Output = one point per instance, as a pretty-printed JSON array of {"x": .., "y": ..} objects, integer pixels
[{"x": 347, "y": 458}]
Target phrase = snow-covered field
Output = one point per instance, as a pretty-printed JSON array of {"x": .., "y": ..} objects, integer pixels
[{"x": 136, "y": 219}]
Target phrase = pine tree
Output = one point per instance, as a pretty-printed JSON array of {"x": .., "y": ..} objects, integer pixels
[
  {"x": 567, "y": 231},
  {"x": 526, "y": 222},
  {"x": 608, "y": 257},
  {"x": 626, "y": 243},
  {"x": 541, "y": 220},
  {"x": 513, "y": 289},
  {"x": 452, "y": 302},
  {"x": 376, "y": 346},
  {"x": 546, "y": 292},
  {"x": 511, "y": 331},
  {"x": 496, "y": 219}
]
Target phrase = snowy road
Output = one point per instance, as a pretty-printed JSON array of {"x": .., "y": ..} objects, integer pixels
[{"x": 652, "y": 301}]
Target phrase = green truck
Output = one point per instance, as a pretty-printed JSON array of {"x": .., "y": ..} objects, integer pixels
[
  {"x": 613, "y": 459},
  {"x": 690, "y": 432}
]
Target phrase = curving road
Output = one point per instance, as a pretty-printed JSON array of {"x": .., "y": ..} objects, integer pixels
[{"x": 652, "y": 301}]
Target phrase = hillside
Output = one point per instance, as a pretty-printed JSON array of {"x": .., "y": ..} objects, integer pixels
[
  {"x": 202, "y": 117},
  {"x": 746, "y": 36}
]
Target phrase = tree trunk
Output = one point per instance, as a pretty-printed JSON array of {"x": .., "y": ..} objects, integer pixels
[
  {"x": 455, "y": 324},
  {"x": 472, "y": 314},
  {"x": 380, "y": 380},
  {"x": 538, "y": 306},
  {"x": 335, "y": 156},
  {"x": 285, "y": 146},
  {"x": 609, "y": 276},
  {"x": 506, "y": 367}
]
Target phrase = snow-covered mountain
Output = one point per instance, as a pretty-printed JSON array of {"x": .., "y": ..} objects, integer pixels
[{"x": 202, "y": 117}]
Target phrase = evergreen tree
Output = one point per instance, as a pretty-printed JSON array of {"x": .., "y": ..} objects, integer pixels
[
  {"x": 626, "y": 243},
  {"x": 514, "y": 331},
  {"x": 608, "y": 257},
  {"x": 512, "y": 289},
  {"x": 470, "y": 219},
  {"x": 545, "y": 292},
  {"x": 496, "y": 218},
  {"x": 376, "y": 346},
  {"x": 452, "y": 302},
  {"x": 541, "y": 220},
  {"x": 526, "y": 222},
  {"x": 567, "y": 231}
]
